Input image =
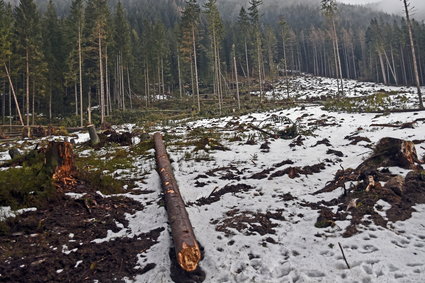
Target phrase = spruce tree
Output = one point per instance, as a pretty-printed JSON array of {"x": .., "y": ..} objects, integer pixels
[
  {"x": 215, "y": 28},
  {"x": 54, "y": 57},
  {"x": 75, "y": 27},
  {"x": 254, "y": 15},
  {"x": 190, "y": 21},
  {"x": 28, "y": 34}
]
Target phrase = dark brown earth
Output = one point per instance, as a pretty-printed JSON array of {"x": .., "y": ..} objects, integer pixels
[
  {"x": 54, "y": 243},
  {"x": 360, "y": 199},
  {"x": 217, "y": 193},
  {"x": 249, "y": 222}
]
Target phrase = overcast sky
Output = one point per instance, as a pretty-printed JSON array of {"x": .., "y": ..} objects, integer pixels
[
  {"x": 394, "y": 6},
  {"x": 358, "y": 1}
]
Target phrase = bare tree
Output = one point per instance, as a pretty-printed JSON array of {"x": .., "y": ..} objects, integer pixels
[{"x": 407, "y": 5}]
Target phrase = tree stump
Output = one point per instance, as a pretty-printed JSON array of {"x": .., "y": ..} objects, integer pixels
[
  {"x": 94, "y": 138},
  {"x": 187, "y": 250},
  {"x": 14, "y": 153},
  {"x": 59, "y": 161},
  {"x": 392, "y": 152}
]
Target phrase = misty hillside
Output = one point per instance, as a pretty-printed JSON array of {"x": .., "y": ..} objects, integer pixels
[{"x": 395, "y": 7}]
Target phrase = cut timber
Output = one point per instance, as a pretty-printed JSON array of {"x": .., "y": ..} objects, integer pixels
[
  {"x": 94, "y": 138},
  {"x": 187, "y": 249}
]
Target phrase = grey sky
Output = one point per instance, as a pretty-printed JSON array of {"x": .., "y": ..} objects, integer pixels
[{"x": 393, "y": 6}]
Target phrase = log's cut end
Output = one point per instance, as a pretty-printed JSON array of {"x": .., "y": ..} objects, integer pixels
[{"x": 189, "y": 257}]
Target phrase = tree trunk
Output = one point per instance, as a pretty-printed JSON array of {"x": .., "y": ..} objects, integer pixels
[
  {"x": 180, "y": 77},
  {"x": 14, "y": 95},
  {"x": 403, "y": 63},
  {"x": 3, "y": 103},
  {"x": 122, "y": 83},
  {"x": 102, "y": 86},
  {"x": 196, "y": 69},
  {"x": 89, "y": 108},
  {"x": 129, "y": 88},
  {"x": 94, "y": 138},
  {"x": 412, "y": 46},
  {"x": 33, "y": 104},
  {"x": 27, "y": 61},
  {"x": 236, "y": 79},
  {"x": 148, "y": 85},
  {"x": 76, "y": 98},
  {"x": 259, "y": 66},
  {"x": 246, "y": 59},
  {"x": 336, "y": 65},
  {"x": 187, "y": 249},
  {"x": 338, "y": 56},
  {"x": 107, "y": 84},
  {"x": 80, "y": 67},
  {"x": 381, "y": 62}
]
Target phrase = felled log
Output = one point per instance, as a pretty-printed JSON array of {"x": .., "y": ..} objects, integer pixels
[
  {"x": 187, "y": 250},
  {"x": 94, "y": 138}
]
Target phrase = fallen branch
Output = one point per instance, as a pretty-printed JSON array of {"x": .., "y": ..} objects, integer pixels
[
  {"x": 263, "y": 131},
  {"x": 187, "y": 249},
  {"x": 345, "y": 259}
]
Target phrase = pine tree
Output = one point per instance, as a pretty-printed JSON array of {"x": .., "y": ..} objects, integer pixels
[
  {"x": 96, "y": 35},
  {"x": 75, "y": 24},
  {"x": 244, "y": 28},
  {"x": 54, "y": 56},
  {"x": 329, "y": 9},
  {"x": 6, "y": 39},
  {"x": 215, "y": 27},
  {"x": 254, "y": 15},
  {"x": 121, "y": 42},
  {"x": 190, "y": 21}
]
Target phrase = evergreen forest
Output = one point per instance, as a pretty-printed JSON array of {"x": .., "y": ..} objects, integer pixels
[{"x": 81, "y": 62}]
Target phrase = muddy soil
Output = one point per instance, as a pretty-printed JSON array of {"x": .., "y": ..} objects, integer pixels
[{"x": 55, "y": 243}]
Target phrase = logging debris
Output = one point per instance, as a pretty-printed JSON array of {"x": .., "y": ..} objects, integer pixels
[{"x": 360, "y": 200}]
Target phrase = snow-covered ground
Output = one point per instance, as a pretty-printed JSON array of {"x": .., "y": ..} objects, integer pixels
[
  {"x": 291, "y": 249},
  {"x": 294, "y": 252},
  {"x": 311, "y": 87}
]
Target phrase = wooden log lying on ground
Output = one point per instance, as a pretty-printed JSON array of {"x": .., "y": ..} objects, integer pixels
[{"x": 187, "y": 249}]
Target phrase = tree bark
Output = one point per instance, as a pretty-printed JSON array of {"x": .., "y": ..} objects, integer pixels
[
  {"x": 80, "y": 67},
  {"x": 412, "y": 46},
  {"x": 28, "y": 90},
  {"x": 180, "y": 77},
  {"x": 236, "y": 78},
  {"x": 102, "y": 86},
  {"x": 94, "y": 138},
  {"x": 187, "y": 249},
  {"x": 14, "y": 95},
  {"x": 196, "y": 69},
  {"x": 246, "y": 58},
  {"x": 60, "y": 161}
]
